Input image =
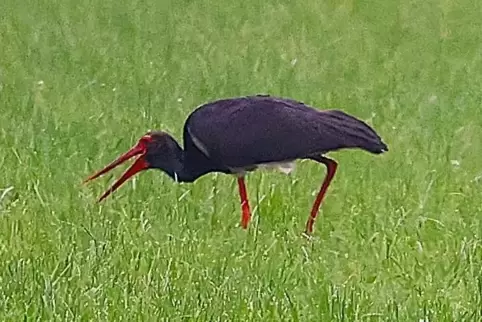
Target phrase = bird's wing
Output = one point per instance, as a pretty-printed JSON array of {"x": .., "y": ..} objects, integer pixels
[{"x": 246, "y": 131}]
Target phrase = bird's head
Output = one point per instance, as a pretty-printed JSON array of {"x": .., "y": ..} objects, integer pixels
[{"x": 155, "y": 149}]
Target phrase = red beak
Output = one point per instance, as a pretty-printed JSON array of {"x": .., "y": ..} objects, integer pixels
[{"x": 139, "y": 165}]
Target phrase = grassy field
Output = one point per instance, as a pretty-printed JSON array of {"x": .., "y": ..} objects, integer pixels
[{"x": 399, "y": 237}]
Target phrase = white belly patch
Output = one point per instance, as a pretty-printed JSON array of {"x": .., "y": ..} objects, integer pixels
[{"x": 285, "y": 167}]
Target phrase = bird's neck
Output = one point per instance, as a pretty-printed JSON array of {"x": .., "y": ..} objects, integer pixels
[
  {"x": 177, "y": 169},
  {"x": 180, "y": 174},
  {"x": 179, "y": 165}
]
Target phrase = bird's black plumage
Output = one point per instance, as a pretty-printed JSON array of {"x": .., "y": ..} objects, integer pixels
[
  {"x": 245, "y": 131},
  {"x": 238, "y": 134}
]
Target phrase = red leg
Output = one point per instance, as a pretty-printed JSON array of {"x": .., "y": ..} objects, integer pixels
[
  {"x": 244, "y": 203},
  {"x": 331, "y": 166}
]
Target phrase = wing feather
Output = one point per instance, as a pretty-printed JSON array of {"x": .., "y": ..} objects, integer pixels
[{"x": 246, "y": 131}]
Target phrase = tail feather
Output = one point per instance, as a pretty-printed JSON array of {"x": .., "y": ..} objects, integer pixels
[{"x": 352, "y": 132}]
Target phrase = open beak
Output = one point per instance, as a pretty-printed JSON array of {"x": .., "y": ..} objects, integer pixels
[{"x": 139, "y": 165}]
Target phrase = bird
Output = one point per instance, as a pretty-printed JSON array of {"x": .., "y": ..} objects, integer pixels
[{"x": 239, "y": 135}]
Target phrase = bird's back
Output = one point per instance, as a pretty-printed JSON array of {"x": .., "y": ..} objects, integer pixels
[{"x": 244, "y": 131}]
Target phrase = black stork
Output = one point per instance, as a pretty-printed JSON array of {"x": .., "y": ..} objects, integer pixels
[{"x": 238, "y": 135}]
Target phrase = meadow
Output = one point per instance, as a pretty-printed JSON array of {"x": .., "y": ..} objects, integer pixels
[{"x": 399, "y": 236}]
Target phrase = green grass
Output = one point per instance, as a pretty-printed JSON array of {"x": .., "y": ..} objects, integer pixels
[{"x": 399, "y": 237}]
